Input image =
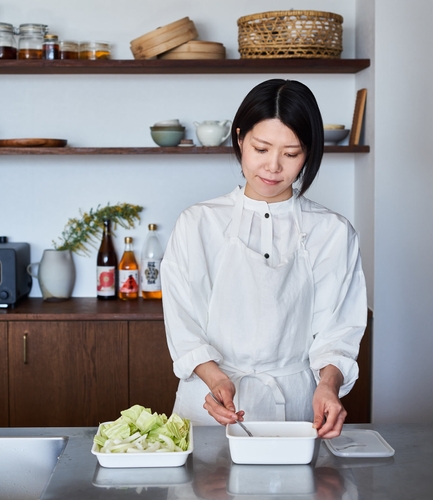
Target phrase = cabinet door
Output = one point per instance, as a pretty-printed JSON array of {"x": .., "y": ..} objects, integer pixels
[
  {"x": 152, "y": 382},
  {"x": 4, "y": 408},
  {"x": 70, "y": 373}
]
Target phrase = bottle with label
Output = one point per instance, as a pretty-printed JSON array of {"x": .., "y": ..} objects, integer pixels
[
  {"x": 128, "y": 273},
  {"x": 106, "y": 271},
  {"x": 151, "y": 258}
]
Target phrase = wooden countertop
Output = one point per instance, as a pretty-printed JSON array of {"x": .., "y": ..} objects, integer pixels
[{"x": 84, "y": 309}]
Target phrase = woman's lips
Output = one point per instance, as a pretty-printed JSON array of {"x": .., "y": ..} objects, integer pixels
[{"x": 269, "y": 182}]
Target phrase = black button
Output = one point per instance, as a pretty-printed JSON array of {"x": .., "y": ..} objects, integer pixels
[
  {"x": 266, "y": 256},
  {"x": 267, "y": 216}
]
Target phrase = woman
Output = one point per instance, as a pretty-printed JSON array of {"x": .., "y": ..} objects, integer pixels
[{"x": 263, "y": 290}]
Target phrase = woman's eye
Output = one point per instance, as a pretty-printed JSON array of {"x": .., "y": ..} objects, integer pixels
[{"x": 260, "y": 150}]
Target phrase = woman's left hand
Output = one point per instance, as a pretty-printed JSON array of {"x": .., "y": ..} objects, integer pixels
[{"x": 329, "y": 413}]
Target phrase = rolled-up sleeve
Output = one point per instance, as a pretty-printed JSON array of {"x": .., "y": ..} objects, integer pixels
[
  {"x": 184, "y": 293},
  {"x": 340, "y": 305}
]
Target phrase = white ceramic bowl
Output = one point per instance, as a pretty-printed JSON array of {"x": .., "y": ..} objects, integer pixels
[
  {"x": 273, "y": 443},
  {"x": 332, "y": 136},
  {"x": 151, "y": 459},
  {"x": 168, "y": 123}
]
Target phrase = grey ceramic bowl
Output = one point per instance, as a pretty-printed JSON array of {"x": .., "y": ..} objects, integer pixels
[
  {"x": 167, "y": 138},
  {"x": 332, "y": 136}
]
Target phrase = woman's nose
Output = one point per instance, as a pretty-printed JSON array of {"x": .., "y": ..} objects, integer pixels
[{"x": 273, "y": 165}]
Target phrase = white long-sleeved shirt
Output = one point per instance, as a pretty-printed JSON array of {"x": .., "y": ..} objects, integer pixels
[{"x": 192, "y": 258}]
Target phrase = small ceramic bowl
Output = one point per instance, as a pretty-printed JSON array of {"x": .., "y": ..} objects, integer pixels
[
  {"x": 332, "y": 136},
  {"x": 167, "y": 138},
  {"x": 168, "y": 123}
]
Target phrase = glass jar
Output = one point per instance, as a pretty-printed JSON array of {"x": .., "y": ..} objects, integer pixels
[
  {"x": 95, "y": 50},
  {"x": 8, "y": 47},
  {"x": 50, "y": 47},
  {"x": 31, "y": 40},
  {"x": 68, "y": 49}
]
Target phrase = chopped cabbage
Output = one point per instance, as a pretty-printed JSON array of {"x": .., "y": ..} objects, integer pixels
[{"x": 140, "y": 430}]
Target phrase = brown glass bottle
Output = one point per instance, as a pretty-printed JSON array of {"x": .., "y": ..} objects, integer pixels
[
  {"x": 128, "y": 273},
  {"x": 106, "y": 270}
]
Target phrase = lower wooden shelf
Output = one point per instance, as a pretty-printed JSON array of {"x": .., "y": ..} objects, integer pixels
[{"x": 152, "y": 150}]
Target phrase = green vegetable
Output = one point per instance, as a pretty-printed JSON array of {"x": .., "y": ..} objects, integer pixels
[{"x": 140, "y": 430}]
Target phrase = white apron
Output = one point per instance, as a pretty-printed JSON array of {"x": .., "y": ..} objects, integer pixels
[{"x": 260, "y": 321}]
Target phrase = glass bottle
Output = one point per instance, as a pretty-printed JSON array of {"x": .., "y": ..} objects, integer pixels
[
  {"x": 31, "y": 39},
  {"x": 151, "y": 258},
  {"x": 128, "y": 273},
  {"x": 50, "y": 47},
  {"x": 8, "y": 47},
  {"x": 106, "y": 270}
]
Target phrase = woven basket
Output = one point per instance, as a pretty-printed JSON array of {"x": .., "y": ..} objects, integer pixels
[{"x": 289, "y": 34}]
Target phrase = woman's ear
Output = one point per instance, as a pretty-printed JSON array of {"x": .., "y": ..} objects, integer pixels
[{"x": 240, "y": 141}]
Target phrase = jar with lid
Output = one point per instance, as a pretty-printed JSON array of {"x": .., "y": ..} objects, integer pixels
[
  {"x": 8, "y": 47},
  {"x": 31, "y": 39},
  {"x": 68, "y": 49},
  {"x": 50, "y": 47},
  {"x": 95, "y": 50}
]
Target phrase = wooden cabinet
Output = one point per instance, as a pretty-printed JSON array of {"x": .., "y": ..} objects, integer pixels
[
  {"x": 67, "y": 373},
  {"x": 82, "y": 361},
  {"x": 151, "y": 379},
  {"x": 4, "y": 396}
]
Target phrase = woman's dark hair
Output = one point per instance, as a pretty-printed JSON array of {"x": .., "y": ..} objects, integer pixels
[{"x": 293, "y": 104}]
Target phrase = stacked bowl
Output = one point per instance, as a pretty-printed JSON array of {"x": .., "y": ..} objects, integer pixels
[{"x": 167, "y": 133}]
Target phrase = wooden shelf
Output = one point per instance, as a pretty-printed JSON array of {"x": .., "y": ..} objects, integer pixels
[
  {"x": 152, "y": 151},
  {"x": 164, "y": 66}
]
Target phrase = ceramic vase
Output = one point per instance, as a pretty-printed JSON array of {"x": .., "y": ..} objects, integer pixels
[{"x": 56, "y": 274}]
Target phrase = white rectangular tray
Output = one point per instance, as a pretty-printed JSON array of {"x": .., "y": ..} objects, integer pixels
[
  {"x": 359, "y": 443},
  {"x": 151, "y": 459}
]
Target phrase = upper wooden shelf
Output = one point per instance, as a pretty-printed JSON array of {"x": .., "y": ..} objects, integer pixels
[
  {"x": 164, "y": 66},
  {"x": 153, "y": 150}
]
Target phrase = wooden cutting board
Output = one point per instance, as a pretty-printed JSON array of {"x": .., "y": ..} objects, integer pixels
[{"x": 32, "y": 143}]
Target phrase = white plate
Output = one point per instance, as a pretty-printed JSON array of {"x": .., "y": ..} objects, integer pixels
[
  {"x": 154, "y": 459},
  {"x": 358, "y": 444}
]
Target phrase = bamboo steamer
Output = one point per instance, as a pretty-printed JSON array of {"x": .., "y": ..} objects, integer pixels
[
  {"x": 163, "y": 39},
  {"x": 196, "y": 49}
]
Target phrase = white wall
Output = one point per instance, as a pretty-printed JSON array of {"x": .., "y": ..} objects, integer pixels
[
  {"x": 403, "y": 325},
  {"x": 40, "y": 193}
]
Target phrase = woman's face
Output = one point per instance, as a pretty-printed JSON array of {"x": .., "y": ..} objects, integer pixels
[{"x": 272, "y": 157}]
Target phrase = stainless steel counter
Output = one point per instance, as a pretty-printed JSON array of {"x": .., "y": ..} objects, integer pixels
[{"x": 210, "y": 474}]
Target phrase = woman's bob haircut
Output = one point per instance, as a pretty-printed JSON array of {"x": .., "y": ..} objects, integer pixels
[{"x": 293, "y": 104}]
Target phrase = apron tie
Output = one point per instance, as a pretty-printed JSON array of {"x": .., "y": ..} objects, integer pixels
[{"x": 267, "y": 377}]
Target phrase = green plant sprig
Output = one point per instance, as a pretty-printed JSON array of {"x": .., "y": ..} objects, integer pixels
[{"x": 79, "y": 233}]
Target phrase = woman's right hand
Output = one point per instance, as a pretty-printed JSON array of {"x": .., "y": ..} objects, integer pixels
[
  {"x": 223, "y": 412},
  {"x": 224, "y": 391}
]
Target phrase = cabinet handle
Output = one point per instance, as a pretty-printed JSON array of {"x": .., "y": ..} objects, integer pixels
[{"x": 25, "y": 348}]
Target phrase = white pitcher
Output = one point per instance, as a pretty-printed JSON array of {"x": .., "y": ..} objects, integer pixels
[
  {"x": 212, "y": 132},
  {"x": 56, "y": 274}
]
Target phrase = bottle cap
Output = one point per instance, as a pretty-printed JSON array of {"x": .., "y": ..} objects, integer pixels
[
  {"x": 128, "y": 239},
  {"x": 152, "y": 227}
]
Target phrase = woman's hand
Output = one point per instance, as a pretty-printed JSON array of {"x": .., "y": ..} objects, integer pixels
[
  {"x": 329, "y": 413},
  {"x": 224, "y": 391}
]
